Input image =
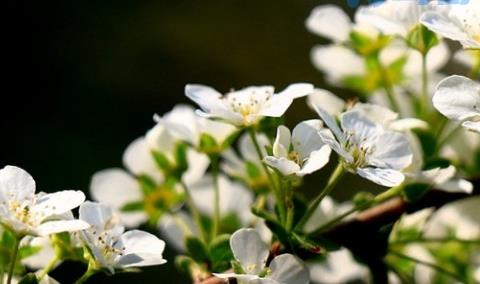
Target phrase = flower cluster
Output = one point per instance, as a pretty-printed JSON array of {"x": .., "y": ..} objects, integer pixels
[{"x": 225, "y": 184}]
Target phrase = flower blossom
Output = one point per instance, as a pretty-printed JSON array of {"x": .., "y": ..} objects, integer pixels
[
  {"x": 367, "y": 148},
  {"x": 252, "y": 253},
  {"x": 247, "y": 106},
  {"x": 300, "y": 152},
  {"x": 458, "y": 98},
  {"x": 111, "y": 247},
  {"x": 26, "y": 213}
]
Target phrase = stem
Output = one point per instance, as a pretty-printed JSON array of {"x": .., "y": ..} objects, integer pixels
[
  {"x": 435, "y": 240},
  {"x": 332, "y": 182},
  {"x": 475, "y": 72},
  {"x": 51, "y": 264},
  {"x": 425, "y": 98},
  {"x": 387, "y": 85},
  {"x": 193, "y": 209},
  {"x": 392, "y": 192},
  {"x": 16, "y": 245},
  {"x": 448, "y": 136},
  {"x": 429, "y": 264},
  {"x": 216, "y": 198},
  {"x": 271, "y": 180},
  {"x": 90, "y": 271}
]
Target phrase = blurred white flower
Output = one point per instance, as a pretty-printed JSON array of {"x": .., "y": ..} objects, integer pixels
[
  {"x": 117, "y": 187},
  {"x": 184, "y": 123},
  {"x": 443, "y": 179},
  {"x": 326, "y": 211},
  {"x": 467, "y": 58},
  {"x": 26, "y": 213},
  {"x": 235, "y": 200},
  {"x": 300, "y": 152},
  {"x": 247, "y": 106},
  {"x": 338, "y": 267},
  {"x": 113, "y": 248},
  {"x": 252, "y": 253},
  {"x": 458, "y": 98},
  {"x": 459, "y": 22},
  {"x": 45, "y": 253},
  {"x": 392, "y": 17},
  {"x": 367, "y": 148}
]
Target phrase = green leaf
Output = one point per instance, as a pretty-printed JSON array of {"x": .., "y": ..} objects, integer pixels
[
  {"x": 437, "y": 163},
  {"x": 278, "y": 230},
  {"x": 30, "y": 278},
  {"x": 208, "y": 144},
  {"x": 253, "y": 171},
  {"x": 181, "y": 158},
  {"x": 147, "y": 184},
  {"x": 308, "y": 244},
  {"x": 220, "y": 253},
  {"x": 162, "y": 161},
  {"x": 237, "y": 267},
  {"x": 133, "y": 206},
  {"x": 197, "y": 249},
  {"x": 26, "y": 251},
  {"x": 415, "y": 191},
  {"x": 184, "y": 263},
  {"x": 428, "y": 141},
  {"x": 422, "y": 39}
]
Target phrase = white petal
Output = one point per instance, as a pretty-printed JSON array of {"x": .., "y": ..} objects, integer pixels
[
  {"x": 326, "y": 100},
  {"x": 16, "y": 183},
  {"x": 456, "y": 185},
  {"x": 385, "y": 177},
  {"x": 197, "y": 166},
  {"x": 288, "y": 269},
  {"x": 46, "y": 252},
  {"x": 138, "y": 159},
  {"x": 284, "y": 165},
  {"x": 331, "y": 22},
  {"x": 171, "y": 229},
  {"x": 326, "y": 58},
  {"x": 376, "y": 113},
  {"x": 392, "y": 150},
  {"x": 54, "y": 227},
  {"x": 249, "y": 249},
  {"x": 328, "y": 138},
  {"x": 317, "y": 160},
  {"x": 206, "y": 97},
  {"x": 58, "y": 202},
  {"x": 241, "y": 278},
  {"x": 331, "y": 123},
  {"x": 282, "y": 142},
  {"x": 305, "y": 137},
  {"x": 247, "y": 148},
  {"x": 160, "y": 139},
  {"x": 472, "y": 126},
  {"x": 115, "y": 187},
  {"x": 297, "y": 90},
  {"x": 407, "y": 124},
  {"x": 98, "y": 215},
  {"x": 440, "y": 24},
  {"x": 361, "y": 128},
  {"x": 457, "y": 97},
  {"x": 140, "y": 249}
]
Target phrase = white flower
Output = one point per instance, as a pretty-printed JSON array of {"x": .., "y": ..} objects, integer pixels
[
  {"x": 117, "y": 187},
  {"x": 367, "y": 148},
  {"x": 235, "y": 199},
  {"x": 247, "y": 106},
  {"x": 300, "y": 152},
  {"x": 392, "y": 17},
  {"x": 331, "y": 22},
  {"x": 113, "y": 248},
  {"x": 26, "y": 213},
  {"x": 459, "y": 22},
  {"x": 252, "y": 253},
  {"x": 458, "y": 98},
  {"x": 444, "y": 179},
  {"x": 183, "y": 123},
  {"x": 40, "y": 259},
  {"x": 467, "y": 58},
  {"x": 338, "y": 267}
]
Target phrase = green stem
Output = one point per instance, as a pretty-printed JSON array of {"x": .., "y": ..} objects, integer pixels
[
  {"x": 429, "y": 264},
  {"x": 448, "y": 136},
  {"x": 216, "y": 197},
  {"x": 332, "y": 182},
  {"x": 271, "y": 180},
  {"x": 392, "y": 192},
  {"x": 387, "y": 85},
  {"x": 436, "y": 240},
  {"x": 89, "y": 273},
  {"x": 194, "y": 211},
  {"x": 475, "y": 72},
  {"x": 13, "y": 260},
  {"x": 425, "y": 98},
  {"x": 51, "y": 264}
]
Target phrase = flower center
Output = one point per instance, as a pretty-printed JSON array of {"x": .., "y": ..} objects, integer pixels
[
  {"x": 295, "y": 157},
  {"x": 359, "y": 152},
  {"x": 106, "y": 244},
  {"x": 248, "y": 102}
]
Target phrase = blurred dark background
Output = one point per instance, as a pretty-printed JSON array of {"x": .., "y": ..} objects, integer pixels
[{"x": 83, "y": 79}]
